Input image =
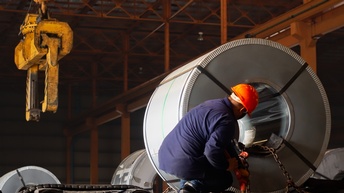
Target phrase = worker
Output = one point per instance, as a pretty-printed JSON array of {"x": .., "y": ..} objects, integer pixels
[{"x": 196, "y": 150}]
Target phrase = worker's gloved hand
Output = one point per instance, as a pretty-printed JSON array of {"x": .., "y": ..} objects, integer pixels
[
  {"x": 243, "y": 178},
  {"x": 243, "y": 154},
  {"x": 244, "y": 173},
  {"x": 233, "y": 164}
]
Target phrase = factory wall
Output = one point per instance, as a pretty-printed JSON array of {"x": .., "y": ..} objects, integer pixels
[
  {"x": 43, "y": 143},
  {"x": 25, "y": 143}
]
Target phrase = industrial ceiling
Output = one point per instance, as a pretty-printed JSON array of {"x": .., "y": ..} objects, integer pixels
[{"x": 119, "y": 45}]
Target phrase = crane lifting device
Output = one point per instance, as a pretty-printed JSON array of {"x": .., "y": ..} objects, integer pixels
[{"x": 45, "y": 41}]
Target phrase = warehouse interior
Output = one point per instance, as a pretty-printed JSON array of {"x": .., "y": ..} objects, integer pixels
[{"x": 121, "y": 50}]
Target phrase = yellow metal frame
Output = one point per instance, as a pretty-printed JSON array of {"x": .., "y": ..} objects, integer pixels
[{"x": 43, "y": 45}]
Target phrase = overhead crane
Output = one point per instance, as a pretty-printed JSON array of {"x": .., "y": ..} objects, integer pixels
[{"x": 45, "y": 41}]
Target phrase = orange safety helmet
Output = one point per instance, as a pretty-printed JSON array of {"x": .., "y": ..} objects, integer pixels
[{"x": 248, "y": 96}]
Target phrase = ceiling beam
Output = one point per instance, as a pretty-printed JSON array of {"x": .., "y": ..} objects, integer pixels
[
  {"x": 134, "y": 99},
  {"x": 300, "y": 13},
  {"x": 327, "y": 22}
]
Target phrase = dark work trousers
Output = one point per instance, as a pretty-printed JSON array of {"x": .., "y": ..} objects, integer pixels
[{"x": 214, "y": 181}]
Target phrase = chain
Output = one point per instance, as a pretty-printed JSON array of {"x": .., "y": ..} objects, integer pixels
[
  {"x": 168, "y": 189},
  {"x": 290, "y": 183}
]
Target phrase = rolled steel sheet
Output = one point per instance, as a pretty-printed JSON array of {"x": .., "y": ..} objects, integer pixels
[
  {"x": 331, "y": 166},
  {"x": 13, "y": 181},
  {"x": 136, "y": 170},
  {"x": 300, "y": 114}
]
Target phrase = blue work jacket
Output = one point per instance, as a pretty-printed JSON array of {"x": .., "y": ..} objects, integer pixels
[{"x": 198, "y": 142}]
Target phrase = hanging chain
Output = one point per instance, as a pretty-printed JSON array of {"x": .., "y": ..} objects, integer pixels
[{"x": 290, "y": 183}]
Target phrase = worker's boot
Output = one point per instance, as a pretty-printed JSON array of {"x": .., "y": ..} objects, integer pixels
[{"x": 188, "y": 188}]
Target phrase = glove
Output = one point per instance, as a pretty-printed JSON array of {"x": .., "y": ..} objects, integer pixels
[
  {"x": 244, "y": 173},
  {"x": 243, "y": 178}
]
